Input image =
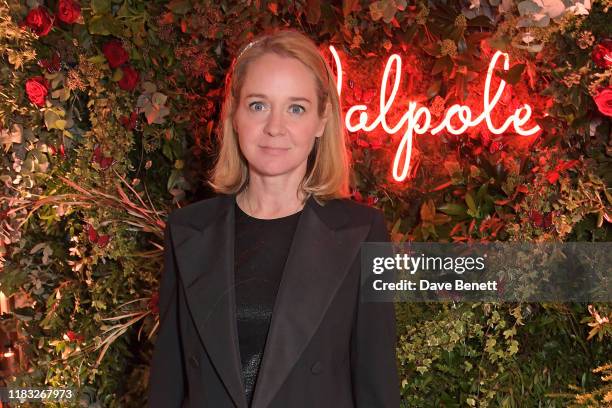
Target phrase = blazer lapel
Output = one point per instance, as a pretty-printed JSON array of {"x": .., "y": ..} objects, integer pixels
[
  {"x": 318, "y": 261},
  {"x": 205, "y": 259}
]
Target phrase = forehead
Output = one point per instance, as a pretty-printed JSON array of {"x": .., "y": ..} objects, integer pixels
[{"x": 276, "y": 75}]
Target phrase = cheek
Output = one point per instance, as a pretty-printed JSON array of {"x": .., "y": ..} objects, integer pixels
[{"x": 305, "y": 131}]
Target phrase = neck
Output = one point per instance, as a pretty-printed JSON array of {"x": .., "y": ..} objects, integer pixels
[{"x": 266, "y": 204}]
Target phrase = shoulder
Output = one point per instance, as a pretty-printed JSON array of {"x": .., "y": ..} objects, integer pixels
[
  {"x": 358, "y": 208},
  {"x": 198, "y": 214},
  {"x": 356, "y": 213}
]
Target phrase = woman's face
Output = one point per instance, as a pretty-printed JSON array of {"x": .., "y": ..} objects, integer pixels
[{"x": 276, "y": 118}]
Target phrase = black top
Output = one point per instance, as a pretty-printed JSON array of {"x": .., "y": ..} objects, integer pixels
[{"x": 261, "y": 250}]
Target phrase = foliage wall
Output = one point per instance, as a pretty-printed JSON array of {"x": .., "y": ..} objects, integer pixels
[{"x": 108, "y": 118}]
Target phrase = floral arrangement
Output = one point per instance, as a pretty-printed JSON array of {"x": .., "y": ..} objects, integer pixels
[{"x": 108, "y": 118}]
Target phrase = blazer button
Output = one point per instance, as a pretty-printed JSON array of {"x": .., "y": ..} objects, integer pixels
[
  {"x": 316, "y": 368},
  {"x": 194, "y": 362}
]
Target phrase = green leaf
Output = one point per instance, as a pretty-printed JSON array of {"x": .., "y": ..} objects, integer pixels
[
  {"x": 469, "y": 200},
  {"x": 481, "y": 21},
  {"x": 117, "y": 75},
  {"x": 442, "y": 64},
  {"x": 482, "y": 191},
  {"x": 428, "y": 210},
  {"x": 173, "y": 179},
  {"x": 62, "y": 94},
  {"x": 97, "y": 59},
  {"x": 396, "y": 226},
  {"x": 434, "y": 88},
  {"x": 453, "y": 209},
  {"x": 513, "y": 75},
  {"x": 105, "y": 24},
  {"x": 60, "y": 124},
  {"x": 422, "y": 369},
  {"x": 101, "y": 6},
  {"x": 179, "y": 6},
  {"x": 167, "y": 151},
  {"x": 501, "y": 43},
  {"x": 99, "y": 25},
  {"x": 51, "y": 118}
]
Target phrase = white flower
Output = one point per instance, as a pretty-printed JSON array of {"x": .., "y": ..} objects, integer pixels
[
  {"x": 527, "y": 38},
  {"x": 553, "y": 8},
  {"x": 580, "y": 8}
]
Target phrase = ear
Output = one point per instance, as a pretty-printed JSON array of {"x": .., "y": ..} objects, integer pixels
[{"x": 324, "y": 120}]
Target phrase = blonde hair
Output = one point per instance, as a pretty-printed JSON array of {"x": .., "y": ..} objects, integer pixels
[{"x": 328, "y": 166}]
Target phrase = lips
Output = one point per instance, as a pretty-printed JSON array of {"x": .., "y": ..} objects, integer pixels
[{"x": 275, "y": 151}]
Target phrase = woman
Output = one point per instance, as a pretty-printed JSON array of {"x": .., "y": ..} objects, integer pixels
[{"x": 259, "y": 299}]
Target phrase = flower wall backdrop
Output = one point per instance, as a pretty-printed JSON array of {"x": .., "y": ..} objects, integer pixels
[{"x": 108, "y": 120}]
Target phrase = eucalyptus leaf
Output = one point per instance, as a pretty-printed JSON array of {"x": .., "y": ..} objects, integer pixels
[
  {"x": 158, "y": 98},
  {"x": 528, "y": 7}
]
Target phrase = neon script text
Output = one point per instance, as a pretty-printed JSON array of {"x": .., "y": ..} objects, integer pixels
[{"x": 417, "y": 120}]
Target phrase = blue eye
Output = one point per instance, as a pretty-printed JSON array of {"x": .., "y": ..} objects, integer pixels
[
  {"x": 253, "y": 104},
  {"x": 297, "y": 106}
]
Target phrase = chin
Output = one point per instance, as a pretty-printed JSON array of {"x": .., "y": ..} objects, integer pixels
[{"x": 274, "y": 169}]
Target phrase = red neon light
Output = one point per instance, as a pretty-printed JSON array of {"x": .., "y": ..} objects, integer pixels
[{"x": 414, "y": 115}]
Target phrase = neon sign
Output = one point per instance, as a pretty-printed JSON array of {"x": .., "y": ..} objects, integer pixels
[{"x": 415, "y": 114}]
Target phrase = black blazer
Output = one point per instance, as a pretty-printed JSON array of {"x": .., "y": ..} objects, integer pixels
[{"x": 325, "y": 349}]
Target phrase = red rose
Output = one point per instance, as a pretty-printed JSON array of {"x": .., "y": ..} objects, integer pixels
[
  {"x": 37, "y": 89},
  {"x": 72, "y": 336},
  {"x": 130, "y": 78},
  {"x": 129, "y": 122},
  {"x": 602, "y": 54},
  {"x": 103, "y": 161},
  {"x": 115, "y": 54},
  {"x": 604, "y": 101},
  {"x": 68, "y": 11},
  {"x": 39, "y": 21}
]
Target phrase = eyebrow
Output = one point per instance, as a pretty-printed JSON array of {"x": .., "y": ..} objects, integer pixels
[{"x": 292, "y": 98}]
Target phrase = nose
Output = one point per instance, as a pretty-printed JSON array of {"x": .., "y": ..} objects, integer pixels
[{"x": 275, "y": 124}]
